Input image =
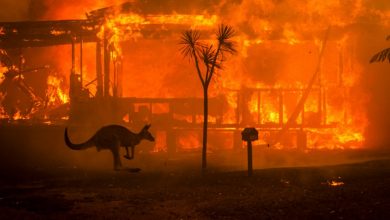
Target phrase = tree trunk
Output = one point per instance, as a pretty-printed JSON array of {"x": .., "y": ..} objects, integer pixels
[{"x": 205, "y": 123}]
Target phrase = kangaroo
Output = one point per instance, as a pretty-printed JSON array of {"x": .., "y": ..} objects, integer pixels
[{"x": 112, "y": 137}]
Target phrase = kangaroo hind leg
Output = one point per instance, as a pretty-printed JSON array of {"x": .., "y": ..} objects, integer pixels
[
  {"x": 115, "y": 154},
  {"x": 127, "y": 156}
]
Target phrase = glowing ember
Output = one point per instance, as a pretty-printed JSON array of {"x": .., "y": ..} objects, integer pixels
[
  {"x": 335, "y": 183},
  {"x": 57, "y": 33}
]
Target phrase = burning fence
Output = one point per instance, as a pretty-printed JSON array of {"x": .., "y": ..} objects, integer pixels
[{"x": 131, "y": 50}]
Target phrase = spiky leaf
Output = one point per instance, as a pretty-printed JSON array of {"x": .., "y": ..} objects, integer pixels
[
  {"x": 190, "y": 43},
  {"x": 381, "y": 56},
  {"x": 208, "y": 56},
  {"x": 224, "y": 35}
]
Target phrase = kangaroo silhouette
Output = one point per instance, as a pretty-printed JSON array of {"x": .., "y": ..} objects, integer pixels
[{"x": 112, "y": 137}]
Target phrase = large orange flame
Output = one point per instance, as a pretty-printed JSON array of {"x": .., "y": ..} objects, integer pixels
[{"x": 278, "y": 42}]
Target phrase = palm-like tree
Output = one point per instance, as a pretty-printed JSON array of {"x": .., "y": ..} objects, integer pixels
[
  {"x": 211, "y": 57},
  {"x": 382, "y": 55}
]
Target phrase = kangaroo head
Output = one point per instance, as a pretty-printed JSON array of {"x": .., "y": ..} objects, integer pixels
[{"x": 145, "y": 134}]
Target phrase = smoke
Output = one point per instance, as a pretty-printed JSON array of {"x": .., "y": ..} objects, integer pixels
[
  {"x": 375, "y": 81},
  {"x": 14, "y": 10}
]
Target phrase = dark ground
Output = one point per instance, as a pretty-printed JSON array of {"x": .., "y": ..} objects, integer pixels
[
  {"x": 281, "y": 193},
  {"x": 42, "y": 179}
]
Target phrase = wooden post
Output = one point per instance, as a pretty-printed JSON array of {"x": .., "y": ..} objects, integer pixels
[
  {"x": 324, "y": 109},
  {"x": 249, "y": 135},
  {"x": 99, "y": 74},
  {"x": 73, "y": 58},
  {"x": 72, "y": 77},
  {"x": 81, "y": 61},
  {"x": 120, "y": 77},
  {"x": 238, "y": 109},
  {"x": 281, "y": 108},
  {"x": 250, "y": 167},
  {"x": 302, "y": 113},
  {"x": 259, "y": 107},
  {"x": 115, "y": 79},
  {"x": 106, "y": 51}
]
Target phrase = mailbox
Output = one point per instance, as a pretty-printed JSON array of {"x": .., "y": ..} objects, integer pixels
[{"x": 250, "y": 134}]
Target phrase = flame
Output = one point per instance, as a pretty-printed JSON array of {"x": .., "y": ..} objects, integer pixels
[
  {"x": 3, "y": 69},
  {"x": 195, "y": 21},
  {"x": 124, "y": 27},
  {"x": 18, "y": 116},
  {"x": 290, "y": 35},
  {"x": 274, "y": 52},
  {"x": 57, "y": 32},
  {"x": 55, "y": 94},
  {"x": 161, "y": 140},
  {"x": 335, "y": 183},
  {"x": 188, "y": 141},
  {"x": 120, "y": 28}
]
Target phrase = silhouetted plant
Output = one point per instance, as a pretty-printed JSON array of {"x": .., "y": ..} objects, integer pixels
[
  {"x": 382, "y": 55},
  {"x": 211, "y": 57}
]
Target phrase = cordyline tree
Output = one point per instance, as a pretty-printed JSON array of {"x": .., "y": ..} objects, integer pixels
[
  {"x": 382, "y": 55},
  {"x": 207, "y": 59}
]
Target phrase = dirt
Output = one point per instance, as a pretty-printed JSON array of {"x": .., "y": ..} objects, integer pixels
[{"x": 183, "y": 193}]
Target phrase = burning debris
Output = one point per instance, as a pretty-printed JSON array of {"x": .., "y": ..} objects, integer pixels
[
  {"x": 336, "y": 182},
  {"x": 20, "y": 100}
]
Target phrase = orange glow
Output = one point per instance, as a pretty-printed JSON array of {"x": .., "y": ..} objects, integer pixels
[
  {"x": 123, "y": 27},
  {"x": 160, "y": 146},
  {"x": 18, "y": 116},
  {"x": 278, "y": 43},
  {"x": 57, "y": 33},
  {"x": 3, "y": 69},
  {"x": 195, "y": 21},
  {"x": 335, "y": 183},
  {"x": 188, "y": 141}
]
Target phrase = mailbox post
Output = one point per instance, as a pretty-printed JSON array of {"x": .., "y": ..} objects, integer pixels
[{"x": 249, "y": 135}]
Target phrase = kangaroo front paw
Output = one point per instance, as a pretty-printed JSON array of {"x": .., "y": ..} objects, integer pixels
[{"x": 127, "y": 157}]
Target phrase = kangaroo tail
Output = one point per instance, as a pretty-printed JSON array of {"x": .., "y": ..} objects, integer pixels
[{"x": 76, "y": 146}]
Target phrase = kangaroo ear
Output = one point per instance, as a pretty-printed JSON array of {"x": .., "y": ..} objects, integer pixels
[{"x": 147, "y": 127}]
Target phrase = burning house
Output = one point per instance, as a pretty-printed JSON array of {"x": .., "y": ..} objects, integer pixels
[{"x": 296, "y": 77}]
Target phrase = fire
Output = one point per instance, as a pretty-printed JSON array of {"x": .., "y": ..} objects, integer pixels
[
  {"x": 18, "y": 116},
  {"x": 264, "y": 108},
  {"x": 123, "y": 27},
  {"x": 290, "y": 35},
  {"x": 195, "y": 21},
  {"x": 276, "y": 54},
  {"x": 188, "y": 141},
  {"x": 161, "y": 140},
  {"x": 120, "y": 28},
  {"x": 55, "y": 94},
  {"x": 57, "y": 33},
  {"x": 3, "y": 69},
  {"x": 335, "y": 183}
]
